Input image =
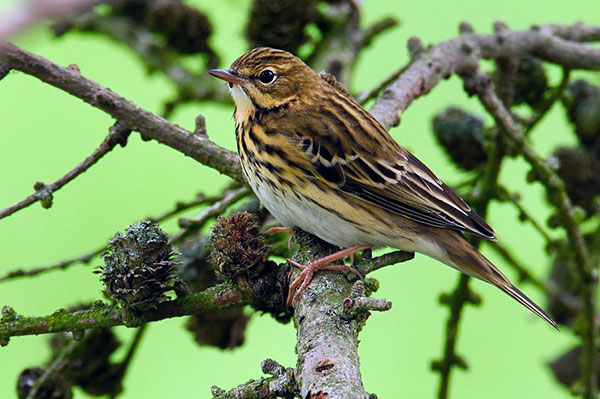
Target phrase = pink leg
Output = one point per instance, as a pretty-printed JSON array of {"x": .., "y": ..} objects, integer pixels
[
  {"x": 309, "y": 269},
  {"x": 276, "y": 230}
]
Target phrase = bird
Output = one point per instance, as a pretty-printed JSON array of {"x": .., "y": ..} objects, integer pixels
[{"x": 320, "y": 162}]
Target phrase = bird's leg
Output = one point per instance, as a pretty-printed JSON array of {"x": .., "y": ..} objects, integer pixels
[
  {"x": 308, "y": 270},
  {"x": 275, "y": 230}
]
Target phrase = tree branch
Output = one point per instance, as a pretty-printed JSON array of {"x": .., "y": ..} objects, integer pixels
[
  {"x": 44, "y": 193},
  {"x": 282, "y": 384},
  {"x": 551, "y": 43},
  {"x": 475, "y": 81},
  {"x": 327, "y": 346},
  {"x": 222, "y": 296},
  {"x": 86, "y": 258},
  {"x": 150, "y": 126}
]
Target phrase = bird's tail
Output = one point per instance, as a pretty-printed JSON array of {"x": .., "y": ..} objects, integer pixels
[{"x": 466, "y": 258}]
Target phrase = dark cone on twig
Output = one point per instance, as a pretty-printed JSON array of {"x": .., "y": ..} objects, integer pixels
[
  {"x": 582, "y": 101},
  {"x": 567, "y": 367},
  {"x": 54, "y": 387},
  {"x": 531, "y": 83},
  {"x": 185, "y": 29},
  {"x": 139, "y": 266},
  {"x": 224, "y": 329},
  {"x": 280, "y": 24},
  {"x": 462, "y": 135},
  {"x": 88, "y": 364},
  {"x": 237, "y": 246},
  {"x": 581, "y": 173}
]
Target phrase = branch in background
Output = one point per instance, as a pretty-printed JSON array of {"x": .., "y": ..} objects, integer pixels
[
  {"x": 44, "y": 193},
  {"x": 86, "y": 258},
  {"x": 343, "y": 40},
  {"x": 477, "y": 82},
  {"x": 191, "y": 225},
  {"x": 505, "y": 195},
  {"x": 190, "y": 85},
  {"x": 28, "y": 13},
  {"x": 462, "y": 294},
  {"x": 551, "y": 43},
  {"x": 222, "y": 296},
  {"x": 133, "y": 346},
  {"x": 52, "y": 369},
  {"x": 130, "y": 115},
  {"x": 367, "y": 95},
  {"x": 523, "y": 272}
]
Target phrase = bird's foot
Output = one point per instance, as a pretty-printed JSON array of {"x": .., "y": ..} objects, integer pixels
[{"x": 308, "y": 270}]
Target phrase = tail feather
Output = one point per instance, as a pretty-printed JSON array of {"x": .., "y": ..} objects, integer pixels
[
  {"x": 516, "y": 294},
  {"x": 466, "y": 258}
]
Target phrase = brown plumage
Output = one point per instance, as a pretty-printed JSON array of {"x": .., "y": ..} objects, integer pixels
[{"x": 319, "y": 161}]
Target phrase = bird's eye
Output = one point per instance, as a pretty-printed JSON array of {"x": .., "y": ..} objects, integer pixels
[{"x": 267, "y": 76}]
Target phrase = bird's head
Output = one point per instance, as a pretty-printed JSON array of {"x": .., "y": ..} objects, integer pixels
[{"x": 267, "y": 78}]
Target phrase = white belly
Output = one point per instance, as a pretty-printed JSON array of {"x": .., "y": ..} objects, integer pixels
[{"x": 296, "y": 211}]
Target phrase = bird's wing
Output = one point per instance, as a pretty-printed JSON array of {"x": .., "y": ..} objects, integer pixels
[{"x": 379, "y": 171}]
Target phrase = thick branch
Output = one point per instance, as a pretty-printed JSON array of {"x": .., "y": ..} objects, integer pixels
[
  {"x": 150, "y": 126},
  {"x": 328, "y": 363},
  {"x": 550, "y": 43}
]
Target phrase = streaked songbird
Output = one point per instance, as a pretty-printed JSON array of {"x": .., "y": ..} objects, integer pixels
[{"x": 318, "y": 161}]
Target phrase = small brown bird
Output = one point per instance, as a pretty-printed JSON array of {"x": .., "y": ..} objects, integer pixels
[{"x": 318, "y": 161}]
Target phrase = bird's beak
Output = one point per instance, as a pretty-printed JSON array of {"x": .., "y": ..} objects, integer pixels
[{"x": 228, "y": 75}]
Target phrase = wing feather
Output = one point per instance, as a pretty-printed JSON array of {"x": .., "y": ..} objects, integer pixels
[
  {"x": 347, "y": 149},
  {"x": 402, "y": 185}
]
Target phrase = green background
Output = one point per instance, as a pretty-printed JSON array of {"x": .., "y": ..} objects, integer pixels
[{"x": 44, "y": 133}]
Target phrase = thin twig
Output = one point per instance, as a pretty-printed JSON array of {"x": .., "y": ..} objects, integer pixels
[
  {"x": 132, "y": 348},
  {"x": 505, "y": 195},
  {"x": 367, "y": 95},
  {"x": 456, "y": 301},
  {"x": 366, "y": 266},
  {"x": 86, "y": 258},
  {"x": 462, "y": 294},
  {"x": 281, "y": 384},
  {"x": 195, "y": 85},
  {"x": 44, "y": 193},
  {"x": 524, "y": 273},
  {"x": 191, "y": 225},
  {"x": 64, "y": 264},
  {"x": 376, "y": 29}
]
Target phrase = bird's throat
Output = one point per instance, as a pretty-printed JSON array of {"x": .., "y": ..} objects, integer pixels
[{"x": 244, "y": 107}]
